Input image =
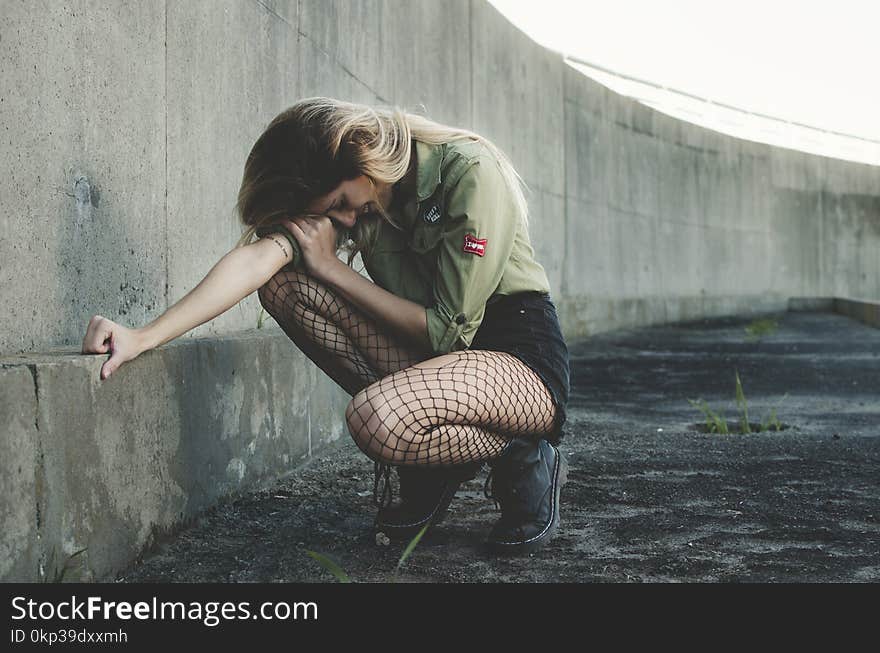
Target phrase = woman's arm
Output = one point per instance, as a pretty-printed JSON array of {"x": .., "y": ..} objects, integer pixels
[
  {"x": 235, "y": 276},
  {"x": 400, "y": 315},
  {"x": 316, "y": 236}
]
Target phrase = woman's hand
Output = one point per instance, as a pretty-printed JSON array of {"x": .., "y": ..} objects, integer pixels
[
  {"x": 104, "y": 336},
  {"x": 316, "y": 236}
]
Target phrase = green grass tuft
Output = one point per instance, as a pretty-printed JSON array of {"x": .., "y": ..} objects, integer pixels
[
  {"x": 410, "y": 548},
  {"x": 61, "y": 573},
  {"x": 330, "y": 566},
  {"x": 762, "y": 327},
  {"x": 743, "y": 406},
  {"x": 715, "y": 423},
  {"x": 342, "y": 577}
]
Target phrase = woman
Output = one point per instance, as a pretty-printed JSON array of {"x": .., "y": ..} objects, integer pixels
[{"x": 452, "y": 353}]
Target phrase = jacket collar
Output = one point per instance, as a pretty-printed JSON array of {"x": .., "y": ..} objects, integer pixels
[{"x": 429, "y": 159}]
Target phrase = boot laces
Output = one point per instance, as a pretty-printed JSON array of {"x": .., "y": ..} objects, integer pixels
[
  {"x": 382, "y": 476},
  {"x": 505, "y": 487},
  {"x": 489, "y": 490}
]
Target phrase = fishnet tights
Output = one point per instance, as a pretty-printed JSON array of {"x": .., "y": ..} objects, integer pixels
[
  {"x": 337, "y": 336},
  {"x": 407, "y": 407}
]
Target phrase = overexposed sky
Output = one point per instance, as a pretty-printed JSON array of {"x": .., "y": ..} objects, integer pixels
[{"x": 815, "y": 62}]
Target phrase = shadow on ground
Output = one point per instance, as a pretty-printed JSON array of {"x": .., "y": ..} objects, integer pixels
[{"x": 649, "y": 498}]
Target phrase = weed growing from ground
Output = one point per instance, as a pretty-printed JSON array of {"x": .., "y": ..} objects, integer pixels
[
  {"x": 342, "y": 577},
  {"x": 742, "y": 405},
  {"x": 715, "y": 423},
  {"x": 60, "y": 573},
  {"x": 762, "y": 327}
]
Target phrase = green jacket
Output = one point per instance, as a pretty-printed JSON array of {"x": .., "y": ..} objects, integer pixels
[{"x": 461, "y": 246}]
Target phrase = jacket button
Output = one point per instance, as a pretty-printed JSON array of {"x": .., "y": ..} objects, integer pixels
[{"x": 460, "y": 318}]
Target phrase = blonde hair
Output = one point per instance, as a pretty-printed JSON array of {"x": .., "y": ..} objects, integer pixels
[{"x": 319, "y": 142}]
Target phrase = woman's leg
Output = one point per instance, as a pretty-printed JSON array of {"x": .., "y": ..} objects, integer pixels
[
  {"x": 335, "y": 335},
  {"x": 457, "y": 408},
  {"x": 408, "y": 408},
  {"x": 465, "y": 407},
  {"x": 450, "y": 410}
]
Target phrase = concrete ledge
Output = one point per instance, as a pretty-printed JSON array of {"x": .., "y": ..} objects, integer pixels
[
  {"x": 863, "y": 310},
  {"x": 586, "y": 316},
  {"x": 105, "y": 466},
  {"x": 812, "y": 304}
]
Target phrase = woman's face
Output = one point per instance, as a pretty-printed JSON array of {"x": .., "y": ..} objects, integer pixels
[{"x": 350, "y": 199}]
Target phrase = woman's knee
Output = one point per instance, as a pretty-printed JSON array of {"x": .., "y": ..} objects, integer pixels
[
  {"x": 375, "y": 426},
  {"x": 283, "y": 287}
]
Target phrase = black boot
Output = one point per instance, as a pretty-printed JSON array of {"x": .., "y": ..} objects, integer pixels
[
  {"x": 526, "y": 479},
  {"x": 425, "y": 494}
]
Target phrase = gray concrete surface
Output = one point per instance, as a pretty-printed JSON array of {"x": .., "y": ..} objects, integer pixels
[
  {"x": 650, "y": 496},
  {"x": 106, "y": 466},
  {"x": 121, "y": 190},
  {"x": 859, "y": 309},
  {"x": 19, "y": 467},
  {"x": 83, "y": 225},
  {"x": 125, "y": 133},
  {"x": 667, "y": 221}
]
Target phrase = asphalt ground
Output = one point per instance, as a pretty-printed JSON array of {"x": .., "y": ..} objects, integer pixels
[{"x": 651, "y": 496}]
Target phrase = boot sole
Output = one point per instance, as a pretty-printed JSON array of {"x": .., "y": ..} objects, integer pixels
[
  {"x": 534, "y": 543},
  {"x": 436, "y": 516}
]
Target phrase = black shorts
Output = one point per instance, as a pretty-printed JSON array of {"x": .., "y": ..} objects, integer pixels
[{"x": 526, "y": 326}]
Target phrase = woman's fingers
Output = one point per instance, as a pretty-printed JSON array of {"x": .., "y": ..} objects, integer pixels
[
  {"x": 97, "y": 334},
  {"x": 105, "y": 336},
  {"x": 294, "y": 227},
  {"x": 117, "y": 357},
  {"x": 305, "y": 225},
  {"x": 111, "y": 363},
  {"x": 316, "y": 239},
  {"x": 306, "y": 222}
]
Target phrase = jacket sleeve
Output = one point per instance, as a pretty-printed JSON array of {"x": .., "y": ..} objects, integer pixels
[
  {"x": 284, "y": 231},
  {"x": 476, "y": 243}
]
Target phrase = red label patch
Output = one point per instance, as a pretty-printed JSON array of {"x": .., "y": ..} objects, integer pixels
[{"x": 474, "y": 245}]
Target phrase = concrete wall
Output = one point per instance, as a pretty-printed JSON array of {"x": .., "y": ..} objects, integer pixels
[
  {"x": 107, "y": 466},
  {"x": 120, "y": 191},
  {"x": 125, "y": 129},
  {"x": 669, "y": 221}
]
